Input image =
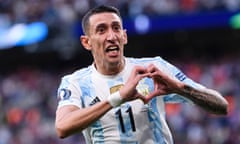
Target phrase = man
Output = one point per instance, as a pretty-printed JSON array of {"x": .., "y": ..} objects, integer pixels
[{"x": 120, "y": 100}]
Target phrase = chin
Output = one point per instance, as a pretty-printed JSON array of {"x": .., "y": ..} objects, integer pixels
[{"x": 115, "y": 62}]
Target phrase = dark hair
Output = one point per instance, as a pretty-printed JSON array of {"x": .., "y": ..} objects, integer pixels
[{"x": 96, "y": 10}]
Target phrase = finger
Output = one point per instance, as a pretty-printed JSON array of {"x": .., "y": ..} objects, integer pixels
[
  {"x": 142, "y": 97},
  {"x": 136, "y": 73},
  {"x": 141, "y": 71},
  {"x": 150, "y": 96},
  {"x": 138, "y": 70},
  {"x": 151, "y": 68},
  {"x": 141, "y": 76}
]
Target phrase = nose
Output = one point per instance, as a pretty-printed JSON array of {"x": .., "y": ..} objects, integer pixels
[{"x": 111, "y": 36}]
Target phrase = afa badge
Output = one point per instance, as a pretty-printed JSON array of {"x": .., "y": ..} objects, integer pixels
[{"x": 115, "y": 88}]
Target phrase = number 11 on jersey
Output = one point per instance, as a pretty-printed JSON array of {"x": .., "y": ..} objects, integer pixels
[{"x": 119, "y": 113}]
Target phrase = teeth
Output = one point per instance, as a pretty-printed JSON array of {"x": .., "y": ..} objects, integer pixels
[{"x": 112, "y": 48}]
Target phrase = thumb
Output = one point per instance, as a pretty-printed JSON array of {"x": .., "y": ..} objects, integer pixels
[
  {"x": 150, "y": 96},
  {"x": 143, "y": 98}
]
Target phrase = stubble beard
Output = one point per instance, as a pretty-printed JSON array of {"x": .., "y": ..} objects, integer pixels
[{"x": 115, "y": 67}]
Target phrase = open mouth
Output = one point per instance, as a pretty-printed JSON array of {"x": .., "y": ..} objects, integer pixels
[{"x": 112, "y": 48}]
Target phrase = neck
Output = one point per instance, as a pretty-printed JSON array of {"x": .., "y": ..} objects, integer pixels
[{"x": 110, "y": 69}]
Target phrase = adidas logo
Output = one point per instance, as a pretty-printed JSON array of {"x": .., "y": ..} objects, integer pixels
[{"x": 95, "y": 100}]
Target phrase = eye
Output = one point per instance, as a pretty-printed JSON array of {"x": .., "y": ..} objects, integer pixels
[
  {"x": 101, "y": 29},
  {"x": 116, "y": 28}
]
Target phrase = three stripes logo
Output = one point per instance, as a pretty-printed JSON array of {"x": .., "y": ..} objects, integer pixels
[{"x": 180, "y": 76}]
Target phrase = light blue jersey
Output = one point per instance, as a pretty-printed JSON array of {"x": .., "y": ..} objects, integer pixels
[{"x": 132, "y": 122}]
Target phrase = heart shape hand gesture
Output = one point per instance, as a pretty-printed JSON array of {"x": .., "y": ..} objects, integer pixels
[{"x": 163, "y": 83}]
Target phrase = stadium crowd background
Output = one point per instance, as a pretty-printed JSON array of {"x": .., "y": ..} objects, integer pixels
[{"x": 28, "y": 82}]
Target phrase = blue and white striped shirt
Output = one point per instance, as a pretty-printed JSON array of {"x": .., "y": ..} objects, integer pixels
[{"x": 132, "y": 122}]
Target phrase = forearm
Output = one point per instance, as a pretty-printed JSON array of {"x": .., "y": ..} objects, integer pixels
[
  {"x": 207, "y": 99},
  {"x": 72, "y": 120}
]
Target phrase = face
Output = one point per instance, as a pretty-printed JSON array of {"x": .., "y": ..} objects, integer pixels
[{"x": 106, "y": 40}]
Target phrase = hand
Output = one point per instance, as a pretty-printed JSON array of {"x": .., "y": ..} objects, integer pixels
[
  {"x": 163, "y": 83},
  {"x": 128, "y": 91}
]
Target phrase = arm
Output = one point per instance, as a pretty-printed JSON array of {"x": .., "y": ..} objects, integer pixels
[
  {"x": 208, "y": 99},
  {"x": 71, "y": 119}
]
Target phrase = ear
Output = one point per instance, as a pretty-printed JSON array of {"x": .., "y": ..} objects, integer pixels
[
  {"x": 85, "y": 42},
  {"x": 125, "y": 41}
]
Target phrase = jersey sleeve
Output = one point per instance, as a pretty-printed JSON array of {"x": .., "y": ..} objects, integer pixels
[
  {"x": 68, "y": 93},
  {"x": 176, "y": 73}
]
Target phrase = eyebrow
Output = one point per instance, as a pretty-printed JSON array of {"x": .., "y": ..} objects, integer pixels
[
  {"x": 116, "y": 23},
  {"x": 100, "y": 25},
  {"x": 104, "y": 24}
]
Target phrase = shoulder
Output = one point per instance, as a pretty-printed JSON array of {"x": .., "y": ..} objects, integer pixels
[
  {"x": 77, "y": 75},
  {"x": 147, "y": 60}
]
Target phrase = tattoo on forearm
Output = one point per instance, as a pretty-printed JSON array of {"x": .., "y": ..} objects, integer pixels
[{"x": 205, "y": 100}]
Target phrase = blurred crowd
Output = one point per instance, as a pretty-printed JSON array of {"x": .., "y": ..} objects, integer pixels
[
  {"x": 190, "y": 124},
  {"x": 69, "y": 11},
  {"x": 63, "y": 17},
  {"x": 28, "y": 103},
  {"x": 28, "y": 95}
]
